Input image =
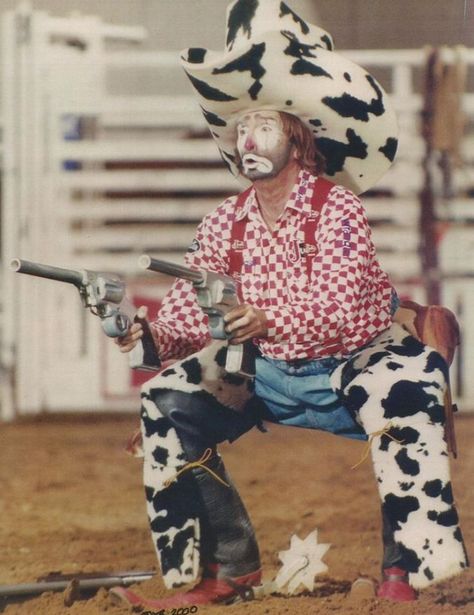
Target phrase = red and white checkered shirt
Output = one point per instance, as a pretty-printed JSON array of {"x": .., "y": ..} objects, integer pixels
[{"x": 343, "y": 304}]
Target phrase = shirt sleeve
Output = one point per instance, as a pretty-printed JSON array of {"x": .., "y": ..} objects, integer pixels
[
  {"x": 344, "y": 245},
  {"x": 181, "y": 327}
]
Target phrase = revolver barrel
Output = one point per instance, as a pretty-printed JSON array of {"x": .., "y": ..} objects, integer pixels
[
  {"x": 178, "y": 271},
  {"x": 47, "y": 271}
]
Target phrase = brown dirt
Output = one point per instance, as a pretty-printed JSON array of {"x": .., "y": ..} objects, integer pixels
[{"x": 72, "y": 502}]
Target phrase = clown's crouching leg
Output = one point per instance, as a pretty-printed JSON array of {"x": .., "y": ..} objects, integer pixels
[
  {"x": 395, "y": 388},
  {"x": 196, "y": 515}
]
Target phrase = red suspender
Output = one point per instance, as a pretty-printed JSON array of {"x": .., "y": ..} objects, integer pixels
[
  {"x": 321, "y": 189},
  {"x": 236, "y": 258}
]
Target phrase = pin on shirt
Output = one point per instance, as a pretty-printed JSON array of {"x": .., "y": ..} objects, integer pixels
[
  {"x": 237, "y": 245},
  {"x": 308, "y": 249}
]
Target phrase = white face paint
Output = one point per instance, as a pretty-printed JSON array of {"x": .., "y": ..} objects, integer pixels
[{"x": 262, "y": 144}]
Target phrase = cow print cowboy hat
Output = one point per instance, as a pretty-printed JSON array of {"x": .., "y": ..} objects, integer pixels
[{"x": 275, "y": 60}]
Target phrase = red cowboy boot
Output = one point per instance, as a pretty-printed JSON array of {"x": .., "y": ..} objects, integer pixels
[
  {"x": 395, "y": 586},
  {"x": 208, "y": 591}
]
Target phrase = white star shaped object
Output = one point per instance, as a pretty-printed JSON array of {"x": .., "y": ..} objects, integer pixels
[{"x": 301, "y": 563}]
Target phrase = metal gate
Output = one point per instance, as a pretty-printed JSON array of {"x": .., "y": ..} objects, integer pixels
[{"x": 92, "y": 178}]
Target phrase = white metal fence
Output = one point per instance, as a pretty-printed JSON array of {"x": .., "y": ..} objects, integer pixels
[{"x": 91, "y": 180}]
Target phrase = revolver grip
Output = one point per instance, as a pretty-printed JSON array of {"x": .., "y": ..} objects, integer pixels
[
  {"x": 240, "y": 359},
  {"x": 145, "y": 356}
]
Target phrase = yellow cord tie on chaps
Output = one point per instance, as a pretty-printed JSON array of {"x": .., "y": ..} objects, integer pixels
[
  {"x": 200, "y": 463},
  {"x": 375, "y": 434}
]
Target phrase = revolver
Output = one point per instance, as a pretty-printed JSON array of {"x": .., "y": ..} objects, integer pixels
[
  {"x": 216, "y": 295},
  {"x": 104, "y": 295}
]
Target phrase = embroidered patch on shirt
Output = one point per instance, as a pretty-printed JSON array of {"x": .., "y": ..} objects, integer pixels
[
  {"x": 346, "y": 238},
  {"x": 294, "y": 254}
]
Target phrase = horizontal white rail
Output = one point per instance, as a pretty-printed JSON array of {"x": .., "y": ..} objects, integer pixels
[
  {"x": 409, "y": 57},
  {"x": 457, "y": 209},
  {"x": 396, "y": 239},
  {"x": 162, "y": 237},
  {"x": 119, "y": 112},
  {"x": 139, "y": 150},
  {"x": 401, "y": 267},
  {"x": 403, "y": 180},
  {"x": 139, "y": 209},
  {"x": 158, "y": 103},
  {"x": 156, "y": 59},
  {"x": 178, "y": 180},
  {"x": 164, "y": 111},
  {"x": 399, "y": 211},
  {"x": 65, "y": 26},
  {"x": 461, "y": 258}
]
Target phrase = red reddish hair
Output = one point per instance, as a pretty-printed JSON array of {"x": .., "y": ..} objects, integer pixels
[{"x": 308, "y": 155}]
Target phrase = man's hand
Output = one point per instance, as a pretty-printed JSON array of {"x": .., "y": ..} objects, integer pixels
[
  {"x": 245, "y": 322},
  {"x": 134, "y": 334}
]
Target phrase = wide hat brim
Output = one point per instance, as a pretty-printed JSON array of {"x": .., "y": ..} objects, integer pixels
[{"x": 344, "y": 106}]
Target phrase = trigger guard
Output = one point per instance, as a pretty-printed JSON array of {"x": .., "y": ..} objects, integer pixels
[{"x": 116, "y": 324}]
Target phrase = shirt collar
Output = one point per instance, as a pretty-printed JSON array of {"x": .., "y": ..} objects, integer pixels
[{"x": 299, "y": 200}]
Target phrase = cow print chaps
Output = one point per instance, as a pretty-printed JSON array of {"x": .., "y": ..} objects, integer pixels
[{"x": 394, "y": 387}]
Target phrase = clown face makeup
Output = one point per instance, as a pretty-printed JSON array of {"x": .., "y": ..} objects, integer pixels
[{"x": 263, "y": 146}]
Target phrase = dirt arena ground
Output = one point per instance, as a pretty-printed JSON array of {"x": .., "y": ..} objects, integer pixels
[{"x": 72, "y": 502}]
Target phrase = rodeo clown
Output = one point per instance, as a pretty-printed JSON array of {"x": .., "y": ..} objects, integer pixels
[{"x": 310, "y": 130}]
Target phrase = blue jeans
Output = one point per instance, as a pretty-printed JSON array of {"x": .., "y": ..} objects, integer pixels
[{"x": 300, "y": 394}]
